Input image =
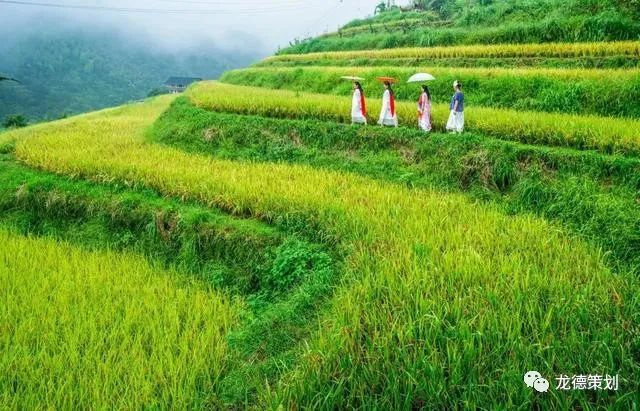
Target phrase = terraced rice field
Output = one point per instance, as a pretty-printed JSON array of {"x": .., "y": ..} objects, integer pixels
[
  {"x": 532, "y": 89},
  {"x": 241, "y": 247},
  {"x": 608, "y": 135},
  {"x": 552, "y": 55},
  {"x": 549, "y": 50}
]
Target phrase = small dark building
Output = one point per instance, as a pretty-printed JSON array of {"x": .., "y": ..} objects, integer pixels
[{"x": 179, "y": 84}]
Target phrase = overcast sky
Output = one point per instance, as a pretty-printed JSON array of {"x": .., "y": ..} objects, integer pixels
[{"x": 254, "y": 24}]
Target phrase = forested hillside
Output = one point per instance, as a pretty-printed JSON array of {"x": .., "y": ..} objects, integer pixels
[
  {"x": 76, "y": 71},
  {"x": 451, "y": 22}
]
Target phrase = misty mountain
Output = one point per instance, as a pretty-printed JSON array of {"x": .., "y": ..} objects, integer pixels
[{"x": 72, "y": 71}]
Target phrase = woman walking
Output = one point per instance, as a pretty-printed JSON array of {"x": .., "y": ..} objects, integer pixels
[
  {"x": 424, "y": 110},
  {"x": 358, "y": 105},
  {"x": 388, "y": 112},
  {"x": 456, "y": 118}
]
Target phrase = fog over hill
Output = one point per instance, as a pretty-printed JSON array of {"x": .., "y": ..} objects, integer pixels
[
  {"x": 70, "y": 68},
  {"x": 72, "y": 60}
]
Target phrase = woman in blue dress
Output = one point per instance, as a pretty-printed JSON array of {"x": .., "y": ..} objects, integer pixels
[{"x": 455, "y": 124}]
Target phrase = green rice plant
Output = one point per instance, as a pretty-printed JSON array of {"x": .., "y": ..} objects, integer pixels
[
  {"x": 549, "y": 50},
  {"x": 444, "y": 304},
  {"x": 606, "y": 26},
  {"x": 593, "y": 195},
  {"x": 227, "y": 252},
  {"x": 597, "y": 62},
  {"x": 575, "y": 91},
  {"x": 87, "y": 329},
  {"x": 608, "y": 135},
  {"x": 283, "y": 277}
]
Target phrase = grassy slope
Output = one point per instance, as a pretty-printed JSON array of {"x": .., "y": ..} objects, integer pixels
[
  {"x": 587, "y": 62},
  {"x": 570, "y": 186},
  {"x": 559, "y": 29},
  {"x": 221, "y": 250},
  {"x": 77, "y": 335},
  {"x": 474, "y": 22},
  {"x": 283, "y": 277},
  {"x": 608, "y": 135},
  {"x": 550, "y": 90},
  {"x": 627, "y": 49},
  {"x": 551, "y": 55},
  {"x": 595, "y": 196},
  {"x": 433, "y": 283},
  {"x": 443, "y": 302}
]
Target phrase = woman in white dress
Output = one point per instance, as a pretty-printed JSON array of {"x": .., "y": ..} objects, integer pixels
[
  {"x": 388, "y": 115},
  {"x": 455, "y": 124},
  {"x": 358, "y": 105},
  {"x": 424, "y": 110}
]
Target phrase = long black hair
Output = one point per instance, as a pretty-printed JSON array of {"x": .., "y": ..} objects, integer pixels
[
  {"x": 358, "y": 86},
  {"x": 426, "y": 90},
  {"x": 388, "y": 84}
]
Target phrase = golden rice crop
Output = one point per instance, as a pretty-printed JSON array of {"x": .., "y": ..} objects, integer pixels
[
  {"x": 403, "y": 73},
  {"x": 101, "y": 330},
  {"x": 440, "y": 297},
  {"x": 610, "y": 135},
  {"x": 549, "y": 50}
]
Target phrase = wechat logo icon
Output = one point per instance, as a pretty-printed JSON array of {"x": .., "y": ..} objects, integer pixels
[{"x": 534, "y": 380}]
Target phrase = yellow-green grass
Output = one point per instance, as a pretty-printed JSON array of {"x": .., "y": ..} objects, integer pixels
[
  {"x": 571, "y": 91},
  {"x": 403, "y": 73},
  {"x": 550, "y": 50},
  {"x": 133, "y": 117},
  {"x": 444, "y": 303},
  {"x": 609, "y": 135},
  {"x": 100, "y": 330}
]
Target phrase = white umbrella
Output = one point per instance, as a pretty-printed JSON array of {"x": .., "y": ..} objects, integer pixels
[
  {"x": 352, "y": 78},
  {"x": 420, "y": 77}
]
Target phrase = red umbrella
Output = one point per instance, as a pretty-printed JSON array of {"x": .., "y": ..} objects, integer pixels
[{"x": 387, "y": 79}]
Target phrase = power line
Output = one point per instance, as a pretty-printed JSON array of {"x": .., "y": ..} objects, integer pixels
[
  {"x": 227, "y": 3},
  {"x": 253, "y": 11}
]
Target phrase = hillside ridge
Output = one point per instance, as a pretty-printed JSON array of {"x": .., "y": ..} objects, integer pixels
[{"x": 449, "y": 22}]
